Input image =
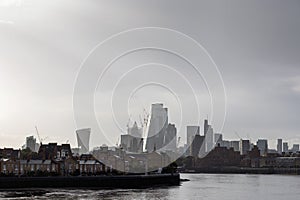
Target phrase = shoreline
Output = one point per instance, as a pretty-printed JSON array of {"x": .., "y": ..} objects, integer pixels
[
  {"x": 243, "y": 170},
  {"x": 123, "y": 181}
]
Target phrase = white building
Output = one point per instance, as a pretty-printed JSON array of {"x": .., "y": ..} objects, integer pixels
[
  {"x": 83, "y": 140},
  {"x": 157, "y": 127}
]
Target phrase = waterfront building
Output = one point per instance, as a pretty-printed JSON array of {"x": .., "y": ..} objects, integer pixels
[
  {"x": 29, "y": 167},
  {"x": 219, "y": 157},
  {"x": 10, "y": 153},
  {"x": 262, "y": 145},
  {"x": 244, "y": 146},
  {"x": 83, "y": 139},
  {"x": 279, "y": 146},
  {"x": 39, "y": 167}
]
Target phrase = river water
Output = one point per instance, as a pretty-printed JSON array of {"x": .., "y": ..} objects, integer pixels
[{"x": 200, "y": 186}]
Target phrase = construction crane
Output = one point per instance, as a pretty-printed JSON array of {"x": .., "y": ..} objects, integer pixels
[
  {"x": 178, "y": 141},
  {"x": 128, "y": 123},
  {"x": 237, "y": 135},
  {"x": 117, "y": 143},
  {"x": 39, "y": 137},
  {"x": 37, "y": 132}
]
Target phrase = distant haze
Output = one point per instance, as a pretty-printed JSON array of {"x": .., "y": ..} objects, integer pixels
[{"x": 255, "y": 45}]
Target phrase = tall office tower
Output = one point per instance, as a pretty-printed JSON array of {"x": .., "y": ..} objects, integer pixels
[
  {"x": 218, "y": 138},
  {"x": 285, "y": 147},
  {"x": 157, "y": 127},
  {"x": 197, "y": 146},
  {"x": 295, "y": 148},
  {"x": 83, "y": 140},
  {"x": 191, "y": 131},
  {"x": 279, "y": 146},
  {"x": 205, "y": 126},
  {"x": 262, "y": 145},
  {"x": 244, "y": 146},
  {"x": 235, "y": 145},
  {"x": 170, "y": 140},
  {"x": 209, "y": 139},
  {"x": 31, "y": 143}
]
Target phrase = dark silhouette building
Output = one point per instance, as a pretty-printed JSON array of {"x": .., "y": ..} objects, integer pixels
[
  {"x": 197, "y": 144},
  {"x": 54, "y": 151}
]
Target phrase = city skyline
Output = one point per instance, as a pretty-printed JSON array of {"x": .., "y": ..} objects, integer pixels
[
  {"x": 195, "y": 128},
  {"x": 160, "y": 136}
]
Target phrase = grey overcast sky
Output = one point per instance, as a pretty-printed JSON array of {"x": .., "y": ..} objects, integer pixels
[{"x": 255, "y": 44}]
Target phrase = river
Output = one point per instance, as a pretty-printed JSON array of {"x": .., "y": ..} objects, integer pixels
[{"x": 200, "y": 186}]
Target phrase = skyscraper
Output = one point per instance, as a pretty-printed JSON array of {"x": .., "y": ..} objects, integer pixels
[
  {"x": 285, "y": 147},
  {"x": 279, "y": 146},
  {"x": 157, "y": 127},
  {"x": 244, "y": 146},
  {"x": 191, "y": 131},
  {"x": 170, "y": 140},
  {"x": 31, "y": 143},
  {"x": 83, "y": 139},
  {"x": 295, "y": 148},
  {"x": 209, "y": 139},
  {"x": 262, "y": 145},
  {"x": 197, "y": 146},
  {"x": 205, "y": 126}
]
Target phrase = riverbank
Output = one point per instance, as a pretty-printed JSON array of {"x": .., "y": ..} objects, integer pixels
[
  {"x": 123, "y": 181},
  {"x": 243, "y": 170}
]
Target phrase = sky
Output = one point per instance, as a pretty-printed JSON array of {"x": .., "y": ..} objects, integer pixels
[{"x": 235, "y": 62}]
